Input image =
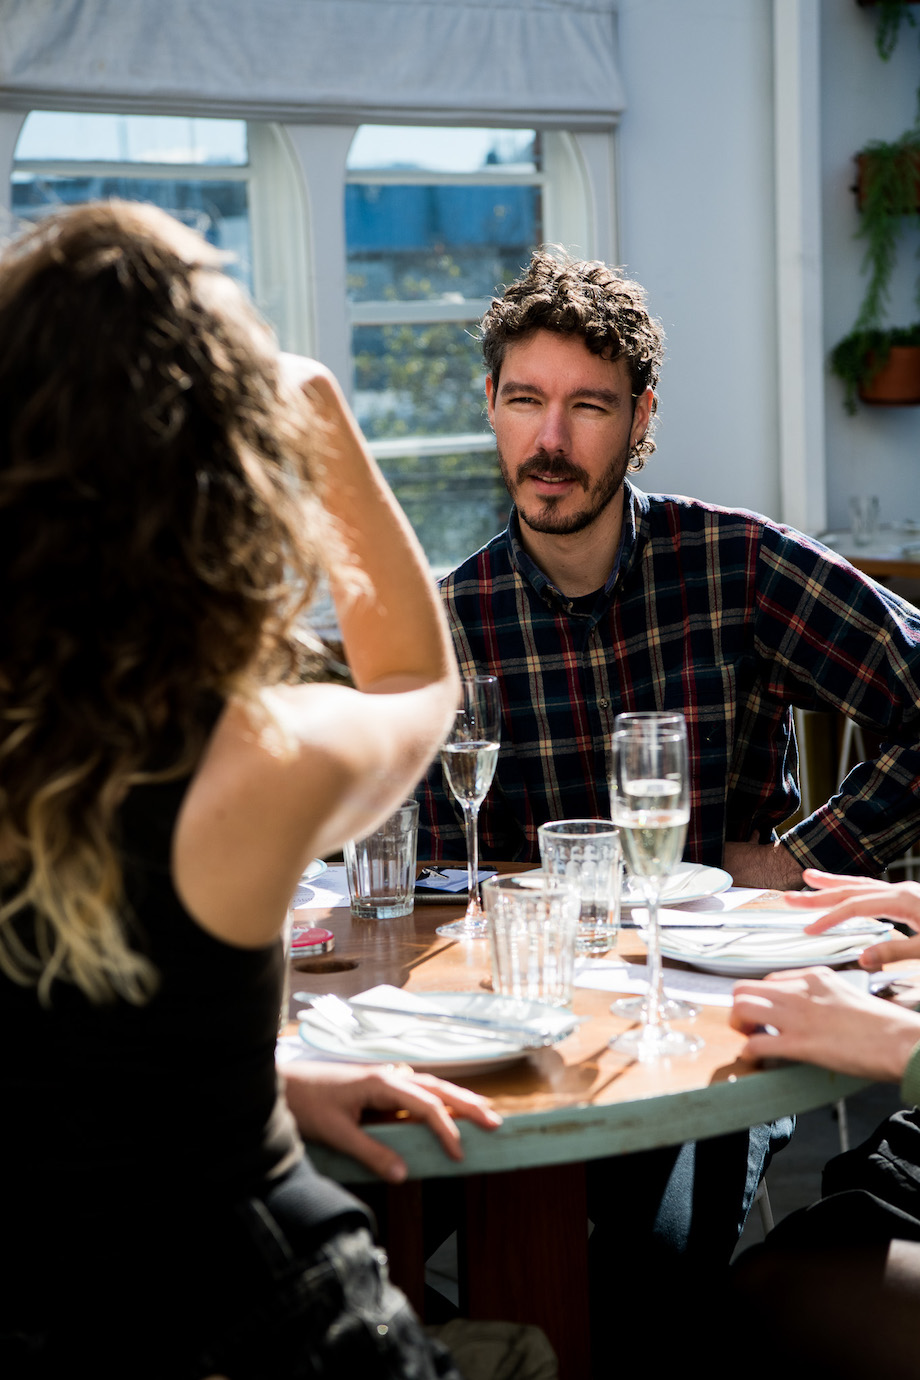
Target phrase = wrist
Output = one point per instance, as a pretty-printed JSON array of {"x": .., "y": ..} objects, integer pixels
[{"x": 787, "y": 869}]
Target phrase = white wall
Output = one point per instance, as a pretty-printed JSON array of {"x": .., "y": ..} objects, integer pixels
[
  {"x": 695, "y": 151},
  {"x": 863, "y": 98}
]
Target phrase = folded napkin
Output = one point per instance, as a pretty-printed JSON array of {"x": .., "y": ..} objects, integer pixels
[
  {"x": 399, "y": 1037},
  {"x": 754, "y": 944}
]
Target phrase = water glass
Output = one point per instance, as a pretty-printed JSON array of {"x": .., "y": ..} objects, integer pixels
[
  {"x": 586, "y": 852},
  {"x": 533, "y": 922},
  {"x": 381, "y": 867},
  {"x": 864, "y": 519}
]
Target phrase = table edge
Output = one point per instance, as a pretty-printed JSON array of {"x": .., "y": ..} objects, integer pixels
[{"x": 586, "y": 1131}]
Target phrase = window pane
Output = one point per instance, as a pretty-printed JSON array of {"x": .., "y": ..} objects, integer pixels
[
  {"x": 406, "y": 243},
  {"x": 52, "y": 134},
  {"x": 456, "y": 503},
  {"x": 217, "y": 210},
  {"x": 418, "y": 381},
  {"x": 377, "y": 147}
]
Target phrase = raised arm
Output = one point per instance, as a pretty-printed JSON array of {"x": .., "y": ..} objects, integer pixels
[{"x": 264, "y": 802}]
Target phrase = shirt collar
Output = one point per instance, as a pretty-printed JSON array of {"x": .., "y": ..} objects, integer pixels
[{"x": 635, "y": 510}]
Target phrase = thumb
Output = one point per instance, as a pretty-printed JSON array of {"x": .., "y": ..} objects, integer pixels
[{"x": 890, "y": 952}]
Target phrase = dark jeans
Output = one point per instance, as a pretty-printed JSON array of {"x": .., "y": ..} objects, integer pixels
[
  {"x": 666, "y": 1223},
  {"x": 249, "y": 1294}
]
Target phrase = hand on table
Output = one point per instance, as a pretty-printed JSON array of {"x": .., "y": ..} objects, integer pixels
[
  {"x": 863, "y": 897},
  {"x": 769, "y": 865},
  {"x": 820, "y": 1018},
  {"x": 327, "y": 1101}
]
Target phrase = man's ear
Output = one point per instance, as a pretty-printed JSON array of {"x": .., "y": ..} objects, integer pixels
[
  {"x": 642, "y": 415},
  {"x": 490, "y": 400}
]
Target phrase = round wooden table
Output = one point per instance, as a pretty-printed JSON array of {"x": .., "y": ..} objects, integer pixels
[{"x": 524, "y": 1183}]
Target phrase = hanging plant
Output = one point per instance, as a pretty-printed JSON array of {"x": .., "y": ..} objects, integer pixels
[
  {"x": 879, "y": 366},
  {"x": 891, "y": 14},
  {"x": 888, "y": 190}
]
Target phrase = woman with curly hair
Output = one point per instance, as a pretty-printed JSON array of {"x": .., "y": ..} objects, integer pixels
[{"x": 170, "y": 490}]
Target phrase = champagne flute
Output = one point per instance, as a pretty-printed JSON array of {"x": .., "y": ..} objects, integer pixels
[
  {"x": 649, "y": 795},
  {"x": 468, "y": 758}
]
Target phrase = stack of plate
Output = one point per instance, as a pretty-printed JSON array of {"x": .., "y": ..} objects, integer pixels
[{"x": 757, "y": 942}]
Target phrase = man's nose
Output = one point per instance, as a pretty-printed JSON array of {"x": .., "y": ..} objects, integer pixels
[{"x": 553, "y": 435}]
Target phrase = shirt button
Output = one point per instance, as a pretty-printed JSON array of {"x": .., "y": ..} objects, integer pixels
[{"x": 604, "y": 704}]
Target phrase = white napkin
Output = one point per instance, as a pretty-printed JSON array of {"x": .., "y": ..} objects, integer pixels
[
  {"x": 399, "y": 1037},
  {"x": 747, "y": 942}
]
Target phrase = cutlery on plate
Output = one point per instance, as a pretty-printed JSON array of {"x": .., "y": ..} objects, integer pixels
[{"x": 333, "y": 1007}]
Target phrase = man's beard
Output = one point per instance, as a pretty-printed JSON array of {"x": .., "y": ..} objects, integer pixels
[{"x": 598, "y": 497}]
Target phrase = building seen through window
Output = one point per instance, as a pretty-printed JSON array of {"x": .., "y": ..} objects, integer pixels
[
  {"x": 196, "y": 169},
  {"x": 436, "y": 221}
]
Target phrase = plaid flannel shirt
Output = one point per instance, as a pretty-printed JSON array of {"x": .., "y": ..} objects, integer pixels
[{"x": 723, "y": 615}]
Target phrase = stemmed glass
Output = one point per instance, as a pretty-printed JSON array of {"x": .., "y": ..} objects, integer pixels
[
  {"x": 468, "y": 757},
  {"x": 649, "y": 796}
]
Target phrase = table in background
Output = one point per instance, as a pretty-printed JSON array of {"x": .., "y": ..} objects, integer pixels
[
  {"x": 893, "y": 554},
  {"x": 579, "y": 1100}
]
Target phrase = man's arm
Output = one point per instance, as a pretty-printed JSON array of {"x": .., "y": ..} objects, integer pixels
[
  {"x": 828, "y": 637},
  {"x": 768, "y": 865}
]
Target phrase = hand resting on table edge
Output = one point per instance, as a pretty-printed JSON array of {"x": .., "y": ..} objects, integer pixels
[
  {"x": 327, "y": 1101},
  {"x": 817, "y": 1016}
]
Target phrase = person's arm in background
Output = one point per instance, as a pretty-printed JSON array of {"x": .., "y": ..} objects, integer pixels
[
  {"x": 828, "y": 637},
  {"x": 817, "y": 1015}
]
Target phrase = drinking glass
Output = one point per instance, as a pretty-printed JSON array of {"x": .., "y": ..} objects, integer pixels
[
  {"x": 468, "y": 757},
  {"x": 649, "y": 795}
]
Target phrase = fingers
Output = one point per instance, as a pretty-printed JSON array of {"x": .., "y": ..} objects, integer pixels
[
  {"x": 891, "y": 951},
  {"x": 750, "y": 1009},
  {"x": 462, "y": 1101},
  {"x": 380, "y": 1159},
  {"x": 821, "y": 881},
  {"x": 389, "y": 1092}
]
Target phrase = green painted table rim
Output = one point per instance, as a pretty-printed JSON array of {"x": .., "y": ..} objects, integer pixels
[{"x": 573, "y": 1134}]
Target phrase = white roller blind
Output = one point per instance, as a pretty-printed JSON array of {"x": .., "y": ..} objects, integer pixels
[{"x": 545, "y": 62}]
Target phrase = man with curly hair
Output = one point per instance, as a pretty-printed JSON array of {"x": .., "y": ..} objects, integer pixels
[{"x": 599, "y": 599}]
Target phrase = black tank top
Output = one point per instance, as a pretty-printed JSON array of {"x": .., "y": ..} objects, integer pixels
[{"x": 108, "y": 1107}]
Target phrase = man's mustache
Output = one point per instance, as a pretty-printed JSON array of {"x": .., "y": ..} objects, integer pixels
[{"x": 553, "y": 467}]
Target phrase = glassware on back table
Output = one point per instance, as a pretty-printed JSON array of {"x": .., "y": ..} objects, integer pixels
[
  {"x": 649, "y": 797},
  {"x": 469, "y": 756}
]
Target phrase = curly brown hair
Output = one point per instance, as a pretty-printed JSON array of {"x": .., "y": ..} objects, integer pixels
[
  {"x": 586, "y": 298},
  {"x": 160, "y": 536}
]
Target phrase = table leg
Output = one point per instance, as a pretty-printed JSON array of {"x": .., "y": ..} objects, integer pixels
[{"x": 524, "y": 1257}]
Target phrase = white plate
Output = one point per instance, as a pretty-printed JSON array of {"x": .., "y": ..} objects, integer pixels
[
  {"x": 479, "y": 1056},
  {"x": 707, "y": 881},
  {"x": 315, "y": 868},
  {"x": 759, "y": 954}
]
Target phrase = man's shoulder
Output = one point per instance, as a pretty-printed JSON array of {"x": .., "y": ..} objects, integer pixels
[
  {"x": 670, "y": 513},
  {"x": 741, "y": 538},
  {"x": 681, "y": 510}
]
